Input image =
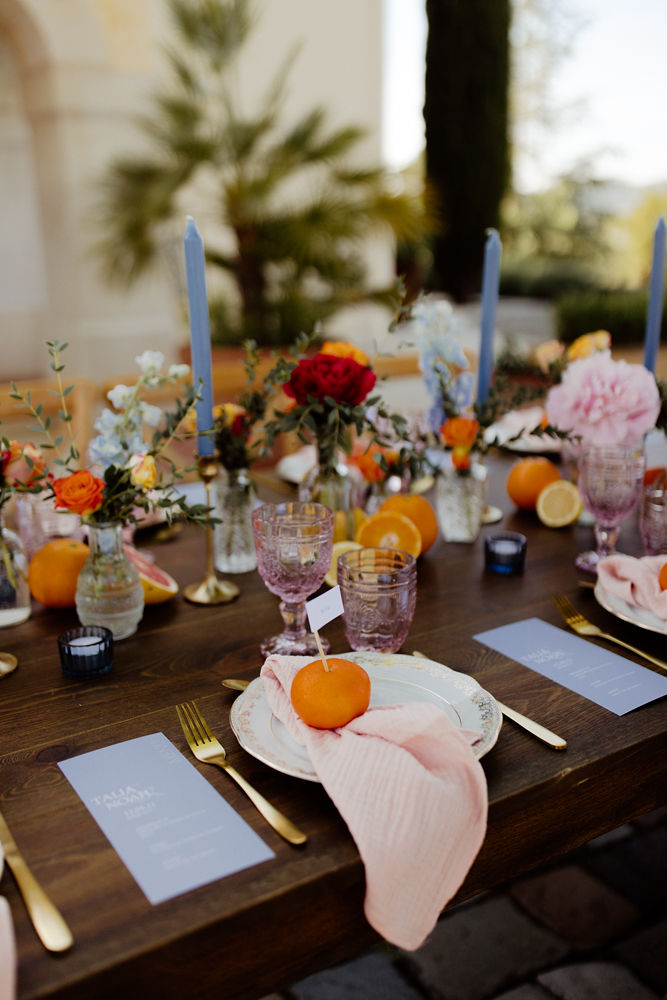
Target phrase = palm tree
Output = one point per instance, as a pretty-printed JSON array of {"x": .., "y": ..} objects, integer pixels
[{"x": 296, "y": 258}]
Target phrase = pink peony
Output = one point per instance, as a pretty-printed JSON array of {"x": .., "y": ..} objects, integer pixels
[{"x": 604, "y": 401}]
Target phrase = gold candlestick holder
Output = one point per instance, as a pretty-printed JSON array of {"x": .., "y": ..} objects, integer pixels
[{"x": 211, "y": 590}]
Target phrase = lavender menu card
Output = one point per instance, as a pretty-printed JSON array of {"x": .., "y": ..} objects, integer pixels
[
  {"x": 171, "y": 828},
  {"x": 606, "y": 678}
]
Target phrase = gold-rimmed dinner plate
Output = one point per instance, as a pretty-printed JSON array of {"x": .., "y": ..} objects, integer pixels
[
  {"x": 396, "y": 678},
  {"x": 629, "y": 612}
]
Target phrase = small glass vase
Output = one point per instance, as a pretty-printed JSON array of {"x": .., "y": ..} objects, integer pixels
[
  {"x": 234, "y": 544},
  {"x": 38, "y": 522},
  {"x": 459, "y": 502},
  {"x": 332, "y": 486},
  {"x": 109, "y": 590},
  {"x": 14, "y": 592}
]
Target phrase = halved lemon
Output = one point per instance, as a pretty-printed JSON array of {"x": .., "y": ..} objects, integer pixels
[
  {"x": 338, "y": 548},
  {"x": 559, "y": 504}
]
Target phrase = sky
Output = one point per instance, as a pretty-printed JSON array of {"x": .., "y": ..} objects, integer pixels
[{"x": 616, "y": 73}]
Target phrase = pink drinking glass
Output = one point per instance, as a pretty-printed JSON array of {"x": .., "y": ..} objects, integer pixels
[
  {"x": 610, "y": 482},
  {"x": 293, "y": 543}
]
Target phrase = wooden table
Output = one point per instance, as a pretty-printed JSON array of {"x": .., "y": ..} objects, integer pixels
[{"x": 270, "y": 925}]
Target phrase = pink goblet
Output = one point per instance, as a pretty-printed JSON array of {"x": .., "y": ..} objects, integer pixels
[
  {"x": 610, "y": 482},
  {"x": 293, "y": 543}
]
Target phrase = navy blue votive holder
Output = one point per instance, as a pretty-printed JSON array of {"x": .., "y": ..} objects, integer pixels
[
  {"x": 505, "y": 552},
  {"x": 86, "y": 652}
]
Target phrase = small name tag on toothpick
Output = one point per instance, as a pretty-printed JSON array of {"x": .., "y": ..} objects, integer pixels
[{"x": 324, "y": 608}]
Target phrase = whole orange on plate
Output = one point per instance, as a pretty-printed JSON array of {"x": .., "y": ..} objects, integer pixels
[
  {"x": 54, "y": 570},
  {"x": 327, "y": 699},
  {"x": 420, "y": 512},
  {"x": 527, "y": 479},
  {"x": 390, "y": 530}
]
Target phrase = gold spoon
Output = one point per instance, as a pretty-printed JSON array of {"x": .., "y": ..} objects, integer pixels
[
  {"x": 8, "y": 663},
  {"x": 235, "y": 684}
]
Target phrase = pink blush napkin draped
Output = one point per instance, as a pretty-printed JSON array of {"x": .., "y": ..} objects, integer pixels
[
  {"x": 635, "y": 581},
  {"x": 412, "y": 793}
]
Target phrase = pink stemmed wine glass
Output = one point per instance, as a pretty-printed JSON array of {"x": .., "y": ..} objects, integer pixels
[
  {"x": 293, "y": 542},
  {"x": 610, "y": 482}
]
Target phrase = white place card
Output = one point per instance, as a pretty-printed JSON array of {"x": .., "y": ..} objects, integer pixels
[
  {"x": 324, "y": 609},
  {"x": 171, "y": 828},
  {"x": 606, "y": 678}
]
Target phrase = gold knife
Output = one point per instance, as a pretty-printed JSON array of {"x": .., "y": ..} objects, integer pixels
[
  {"x": 534, "y": 728},
  {"x": 52, "y": 930}
]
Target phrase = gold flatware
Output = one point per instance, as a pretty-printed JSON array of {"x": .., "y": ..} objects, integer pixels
[
  {"x": 8, "y": 663},
  {"x": 582, "y": 626},
  {"x": 51, "y": 929},
  {"x": 207, "y": 749},
  {"x": 235, "y": 684},
  {"x": 534, "y": 728}
]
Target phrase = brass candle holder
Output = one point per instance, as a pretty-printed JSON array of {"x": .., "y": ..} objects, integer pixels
[{"x": 211, "y": 590}]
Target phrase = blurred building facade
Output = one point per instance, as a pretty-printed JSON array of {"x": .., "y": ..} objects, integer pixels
[{"x": 73, "y": 76}]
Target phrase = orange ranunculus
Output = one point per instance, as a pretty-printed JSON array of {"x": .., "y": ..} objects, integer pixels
[
  {"x": 340, "y": 349},
  {"x": 588, "y": 344},
  {"x": 23, "y": 464},
  {"x": 460, "y": 432},
  {"x": 81, "y": 492},
  {"x": 372, "y": 471}
]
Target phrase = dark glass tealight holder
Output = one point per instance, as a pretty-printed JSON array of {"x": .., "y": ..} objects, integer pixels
[
  {"x": 86, "y": 652},
  {"x": 505, "y": 552}
]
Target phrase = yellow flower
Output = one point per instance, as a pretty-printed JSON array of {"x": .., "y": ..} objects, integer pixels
[
  {"x": 547, "y": 353},
  {"x": 227, "y": 412},
  {"x": 143, "y": 471},
  {"x": 587, "y": 344},
  {"x": 340, "y": 349}
]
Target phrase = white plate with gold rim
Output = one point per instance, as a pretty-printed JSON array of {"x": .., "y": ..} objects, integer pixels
[
  {"x": 629, "y": 612},
  {"x": 396, "y": 678}
]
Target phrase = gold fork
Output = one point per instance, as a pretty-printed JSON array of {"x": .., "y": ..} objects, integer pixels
[
  {"x": 582, "y": 626},
  {"x": 209, "y": 750}
]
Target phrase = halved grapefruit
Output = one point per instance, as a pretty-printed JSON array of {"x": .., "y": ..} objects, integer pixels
[{"x": 158, "y": 585}]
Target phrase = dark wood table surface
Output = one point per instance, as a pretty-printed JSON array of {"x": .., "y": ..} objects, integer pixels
[{"x": 272, "y": 924}]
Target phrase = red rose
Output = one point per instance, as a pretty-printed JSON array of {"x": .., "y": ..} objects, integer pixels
[
  {"x": 82, "y": 492},
  {"x": 344, "y": 379}
]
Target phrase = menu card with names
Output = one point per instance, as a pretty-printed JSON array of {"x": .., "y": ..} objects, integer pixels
[
  {"x": 171, "y": 828},
  {"x": 606, "y": 678}
]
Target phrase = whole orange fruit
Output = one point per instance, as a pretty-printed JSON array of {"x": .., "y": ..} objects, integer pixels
[
  {"x": 327, "y": 699},
  {"x": 662, "y": 577},
  {"x": 54, "y": 570},
  {"x": 527, "y": 479},
  {"x": 420, "y": 512}
]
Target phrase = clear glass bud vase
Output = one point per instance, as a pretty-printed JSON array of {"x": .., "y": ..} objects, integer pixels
[
  {"x": 459, "y": 502},
  {"x": 233, "y": 539},
  {"x": 330, "y": 484},
  {"x": 14, "y": 592},
  {"x": 109, "y": 590}
]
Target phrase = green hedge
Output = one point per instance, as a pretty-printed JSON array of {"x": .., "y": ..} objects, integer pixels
[
  {"x": 545, "y": 279},
  {"x": 623, "y": 314}
]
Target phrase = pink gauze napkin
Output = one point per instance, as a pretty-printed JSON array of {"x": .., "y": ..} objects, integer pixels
[
  {"x": 412, "y": 793},
  {"x": 635, "y": 581},
  {"x": 7, "y": 949}
]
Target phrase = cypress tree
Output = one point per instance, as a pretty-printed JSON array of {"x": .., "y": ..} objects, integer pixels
[{"x": 466, "y": 118}]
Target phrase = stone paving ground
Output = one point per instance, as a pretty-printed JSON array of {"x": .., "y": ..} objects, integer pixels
[{"x": 592, "y": 926}]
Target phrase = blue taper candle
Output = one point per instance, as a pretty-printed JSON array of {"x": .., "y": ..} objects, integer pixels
[
  {"x": 655, "y": 298},
  {"x": 200, "y": 336},
  {"x": 490, "y": 283}
]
